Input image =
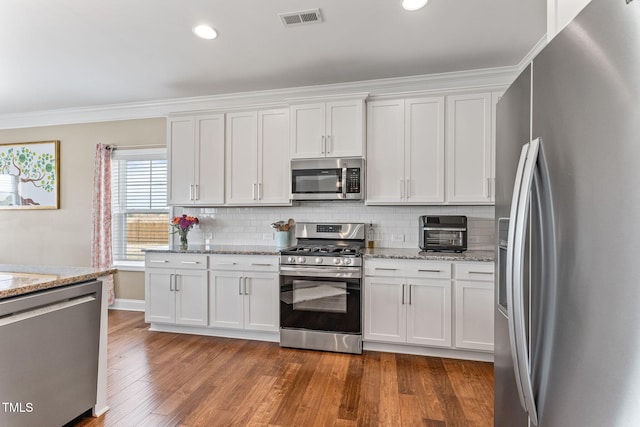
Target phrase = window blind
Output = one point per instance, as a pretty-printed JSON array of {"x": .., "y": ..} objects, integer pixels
[{"x": 140, "y": 216}]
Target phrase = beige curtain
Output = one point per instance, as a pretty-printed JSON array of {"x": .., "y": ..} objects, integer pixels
[{"x": 101, "y": 234}]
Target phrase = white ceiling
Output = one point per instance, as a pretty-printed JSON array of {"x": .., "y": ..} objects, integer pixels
[{"x": 79, "y": 53}]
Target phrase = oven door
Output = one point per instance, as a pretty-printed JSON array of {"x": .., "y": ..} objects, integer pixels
[
  {"x": 444, "y": 238},
  {"x": 321, "y": 299}
]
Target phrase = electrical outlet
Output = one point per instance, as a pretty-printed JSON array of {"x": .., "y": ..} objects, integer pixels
[
  {"x": 397, "y": 237},
  {"x": 267, "y": 236}
]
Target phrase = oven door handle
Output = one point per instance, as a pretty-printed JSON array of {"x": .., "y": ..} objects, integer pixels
[
  {"x": 444, "y": 229},
  {"x": 344, "y": 272}
]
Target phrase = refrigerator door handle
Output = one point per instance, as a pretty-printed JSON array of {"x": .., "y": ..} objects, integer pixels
[
  {"x": 517, "y": 188},
  {"x": 519, "y": 325}
]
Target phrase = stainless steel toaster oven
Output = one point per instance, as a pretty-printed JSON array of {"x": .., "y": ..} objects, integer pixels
[{"x": 443, "y": 233}]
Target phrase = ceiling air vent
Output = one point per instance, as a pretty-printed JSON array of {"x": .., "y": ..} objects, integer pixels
[{"x": 300, "y": 18}]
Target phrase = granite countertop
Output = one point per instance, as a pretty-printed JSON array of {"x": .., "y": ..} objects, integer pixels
[
  {"x": 395, "y": 253},
  {"x": 22, "y": 279},
  {"x": 219, "y": 249}
]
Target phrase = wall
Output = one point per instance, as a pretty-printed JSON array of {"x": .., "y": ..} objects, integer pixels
[
  {"x": 63, "y": 236},
  {"x": 246, "y": 226}
]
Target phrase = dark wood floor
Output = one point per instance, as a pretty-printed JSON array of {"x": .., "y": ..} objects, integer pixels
[{"x": 161, "y": 379}]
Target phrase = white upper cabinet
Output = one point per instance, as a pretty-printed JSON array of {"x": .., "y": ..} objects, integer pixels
[
  {"x": 327, "y": 129},
  {"x": 405, "y": 151},
  {"x": 242, "y": 158},
  {"x": 274, "y": 170},
  {"x": 469, "y": 149},
  {"x": 196, "y": 160},
  {"x": 257, "y": 162}
]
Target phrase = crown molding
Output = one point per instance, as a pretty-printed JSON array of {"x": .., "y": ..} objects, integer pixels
[
  {"x": 535, "y": 50},
  {"x": 489, "y": 78}
]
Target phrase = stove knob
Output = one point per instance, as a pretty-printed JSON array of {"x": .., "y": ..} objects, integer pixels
[
  {"x": 337, "y": 261},
  {"x": 302, "y": 260},
  {"x": 318, "y": 260},
  {"x": 291, "y": 260},
  {"x": 348, "y": 261}
]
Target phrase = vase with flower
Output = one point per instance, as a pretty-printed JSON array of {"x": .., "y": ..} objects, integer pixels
[{"x": 182, "y": 225}]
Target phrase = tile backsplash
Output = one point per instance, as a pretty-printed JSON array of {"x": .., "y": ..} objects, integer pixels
[{"x": 396, "y": 226}]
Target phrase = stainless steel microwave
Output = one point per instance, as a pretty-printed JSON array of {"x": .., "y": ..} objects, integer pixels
[{"x": 327, "y": 179}]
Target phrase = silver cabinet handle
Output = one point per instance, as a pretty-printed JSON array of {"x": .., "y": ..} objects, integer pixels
[
  {"x": 403, "y": 292},
  {"x": 261, "y": 265},
  {"x": 385, "y": 269},
  {"x": 408, "y": 188},
  {"x": 259, "y": 191},
  {"x": 190, "y": 191},
  {"x": 197, "y": 192},
  {"x": 430, "y": 271},
  {"x": 410, "y": 292},
  {"x": 229, "y": 263},
  {"x": 246, "y": 290},
  {"x": 489, "y": 188},
  {"x": 190, "y": 262},
  {"x": 253, "y": 191},
  {"x": 159, "y": 261},
  {"x": 328, "y": 144},
  {"x": 175, "y": 279},
  {"x": 481, "y": 272},
  {"x": 240, "y": 285},
  {"x": 322, "y": 145},
  {"x": 171, "y": 282}
]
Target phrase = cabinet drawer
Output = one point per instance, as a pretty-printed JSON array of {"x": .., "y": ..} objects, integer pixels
[
  {"x": 244, "y": 262},
  {"x": 402, "y": 268},
  {"x": 429, "y": 270},
  {"x": 182, "y": 261},
  {"x": 478, "y": 271}
]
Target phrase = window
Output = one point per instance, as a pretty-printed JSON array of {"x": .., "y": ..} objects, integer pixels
[{"x": 140, "y": 216}]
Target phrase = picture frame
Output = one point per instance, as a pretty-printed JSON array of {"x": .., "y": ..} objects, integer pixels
[{"x": 30, "y": 175}]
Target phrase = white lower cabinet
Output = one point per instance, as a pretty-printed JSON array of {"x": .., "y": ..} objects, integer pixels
[
  {"x": 474, "y": 306},
  {"x": 176, "y": 295},
  {"x": 429, "y": 304},
  {"x": 243, "y": 292},
  {"x": 408, "y": 302}
]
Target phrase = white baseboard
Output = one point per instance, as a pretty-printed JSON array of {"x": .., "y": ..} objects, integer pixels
[{"x": 127, "y": 304}]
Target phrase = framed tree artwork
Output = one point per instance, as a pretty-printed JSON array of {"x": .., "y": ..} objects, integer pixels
[{"x": 30, "y": 175}]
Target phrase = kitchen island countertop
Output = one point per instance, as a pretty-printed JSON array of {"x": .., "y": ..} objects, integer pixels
[
  {"x": 22, "y": 279},
  {"x": 417, "y": 254}
]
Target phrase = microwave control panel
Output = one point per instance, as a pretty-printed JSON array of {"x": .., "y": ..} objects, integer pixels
[{"x": 353, "y": 180}]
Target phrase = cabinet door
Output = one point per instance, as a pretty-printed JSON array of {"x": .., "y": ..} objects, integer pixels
[
  {"x": 191, "y": 297},
  {"x": 181, "y": 151},
  {"x": 424, "y": 153},
  {"x": 261, "y": 302},
  {"x": 226, "y": 299},
  {"x": 344, "y": 129},
  {"x": 307, "y": 131},
  {"x": 384, "y": 309},
  {"x": 429, "y": 312},
  {"x": 159, "y": 298},
  {"x": 209, "y": 160},
  {"x": 242, "y": 158},
  {"x": 474, "y": 315},
  {"x": 469, "y": 148},
  {"x": 385, "y": 152},
  {"x": 273, "y": 157}
]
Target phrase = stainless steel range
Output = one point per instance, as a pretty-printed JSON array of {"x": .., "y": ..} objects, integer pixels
[{"x": 320, "y": 288}]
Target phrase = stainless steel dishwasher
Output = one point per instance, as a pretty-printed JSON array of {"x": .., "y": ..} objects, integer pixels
[{"x": 49, "y": 344}]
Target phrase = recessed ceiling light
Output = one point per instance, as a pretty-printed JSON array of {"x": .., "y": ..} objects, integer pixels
[
  {"x": 413, "y": 4},
  {"x": 205, "y": 32}
]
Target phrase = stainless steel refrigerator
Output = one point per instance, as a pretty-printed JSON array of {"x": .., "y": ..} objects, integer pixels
[{"x": 567, "y": 324}]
